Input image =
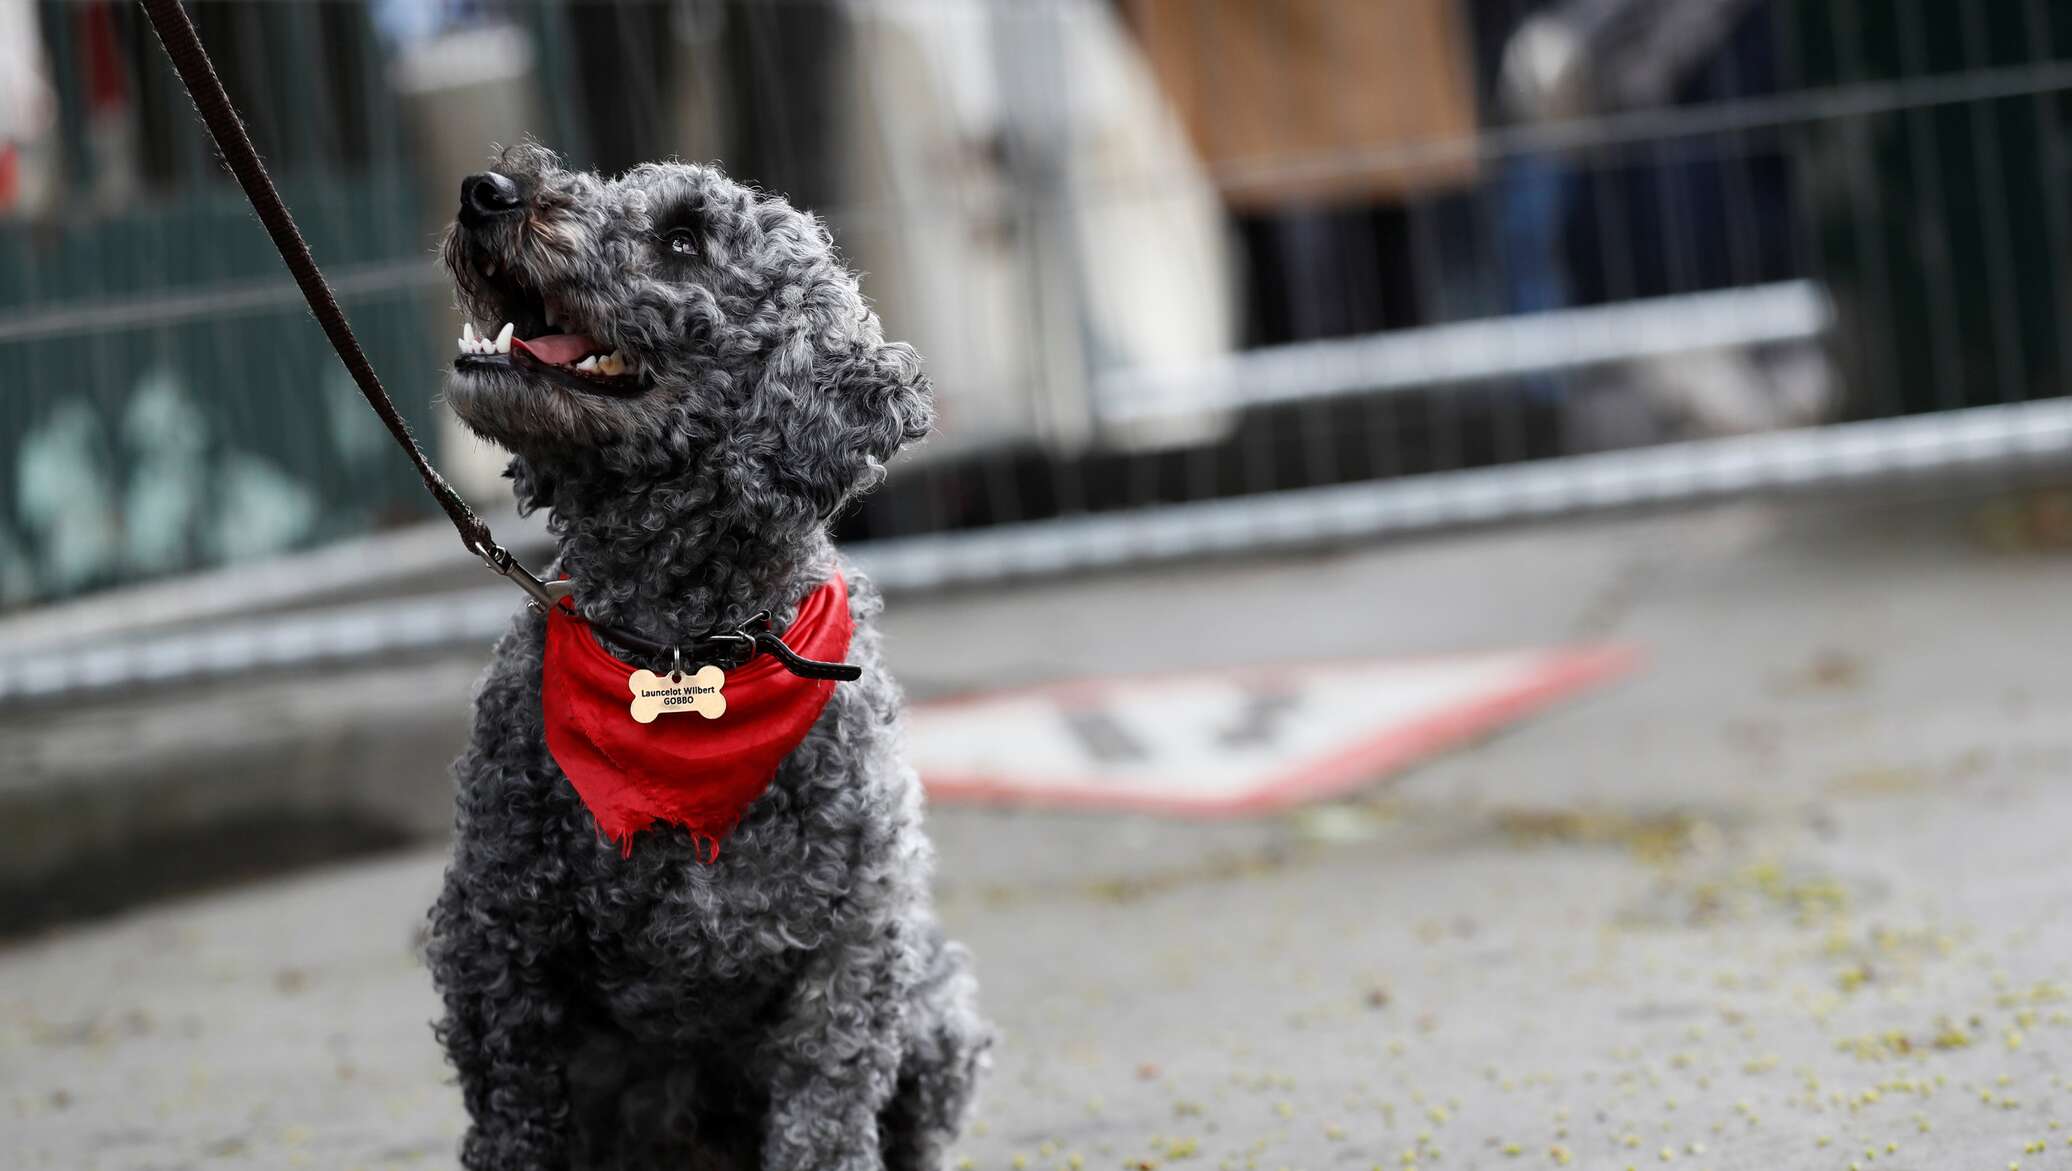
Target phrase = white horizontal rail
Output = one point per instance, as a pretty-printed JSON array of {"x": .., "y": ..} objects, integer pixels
[
  {"x": 1677, "y": 473},
  {"x": 1470, "y": 351}
]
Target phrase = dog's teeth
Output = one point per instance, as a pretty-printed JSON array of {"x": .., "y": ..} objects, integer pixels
[
  {"x": 609, "y": 364},
  {"x": 589, "y": 363},
  {"x": 467, "y": 332},
  {"x": 503, "y": 338}
]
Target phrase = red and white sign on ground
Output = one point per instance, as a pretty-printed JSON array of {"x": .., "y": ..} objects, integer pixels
[{"x": 1234, "y": 741}]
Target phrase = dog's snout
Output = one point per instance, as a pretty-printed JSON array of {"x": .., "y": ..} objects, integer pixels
[{"x": 488, "y": 196}]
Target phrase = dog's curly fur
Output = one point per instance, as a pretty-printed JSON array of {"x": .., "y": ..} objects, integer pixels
[{"x": 793, "y": 1005}]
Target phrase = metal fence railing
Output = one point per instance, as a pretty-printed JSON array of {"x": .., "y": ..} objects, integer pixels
[
  {"x": 1192, "y": 275},
  {"x": 1980, "y": 440}
]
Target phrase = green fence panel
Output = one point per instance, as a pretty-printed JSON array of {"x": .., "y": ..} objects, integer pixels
[{"x": 171, "y": 403}]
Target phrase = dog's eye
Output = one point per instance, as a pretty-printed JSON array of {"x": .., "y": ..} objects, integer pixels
[{"x": 680, "y": 241}]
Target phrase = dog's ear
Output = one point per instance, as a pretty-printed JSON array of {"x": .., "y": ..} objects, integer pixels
[
  {"x": 861, "y": 405},
  {"x": 533, "y": 488},
  {"x": 889, "y": 396}
]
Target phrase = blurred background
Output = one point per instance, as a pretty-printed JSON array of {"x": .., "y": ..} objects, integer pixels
[
  {"x": 1161, "y": 252},
  {"x": 1712, "y": 346}
]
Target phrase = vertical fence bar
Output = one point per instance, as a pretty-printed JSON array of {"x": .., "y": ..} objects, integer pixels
[{"x": 2051, "y": 147}]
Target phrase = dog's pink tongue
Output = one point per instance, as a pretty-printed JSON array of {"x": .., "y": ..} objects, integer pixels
[{"x": 557, "y": 349}]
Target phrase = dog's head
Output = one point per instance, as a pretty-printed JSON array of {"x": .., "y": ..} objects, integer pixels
[{"x": 668, "y": 322}]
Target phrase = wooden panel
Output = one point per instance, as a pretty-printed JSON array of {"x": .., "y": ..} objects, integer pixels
[{"x": 1317, "y": 101}]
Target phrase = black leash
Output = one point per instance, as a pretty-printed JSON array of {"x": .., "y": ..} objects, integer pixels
[{"x": 198, "y": 74}]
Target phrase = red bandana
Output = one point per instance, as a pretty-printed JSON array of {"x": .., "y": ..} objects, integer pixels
[{"x": 683, "y": 768}]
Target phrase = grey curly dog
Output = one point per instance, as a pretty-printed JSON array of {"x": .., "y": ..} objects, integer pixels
[{"x": 791, "y": 1005}]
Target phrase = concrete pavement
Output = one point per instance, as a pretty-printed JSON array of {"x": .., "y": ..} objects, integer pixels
[{"x": 1793, "y": 896}]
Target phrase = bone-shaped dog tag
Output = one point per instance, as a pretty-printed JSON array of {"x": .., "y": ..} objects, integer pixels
[{"x": 697, "y": 692}]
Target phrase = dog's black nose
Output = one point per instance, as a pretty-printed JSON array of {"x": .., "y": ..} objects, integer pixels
[{"x": 488, "y": 196}]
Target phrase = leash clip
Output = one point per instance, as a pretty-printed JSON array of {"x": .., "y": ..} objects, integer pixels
[
  {"x": 500, "y": 562},
  {"x": 744, "y": 638}
]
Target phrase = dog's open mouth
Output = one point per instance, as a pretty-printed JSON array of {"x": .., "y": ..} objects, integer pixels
[{"x": 535, "y": 340}]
